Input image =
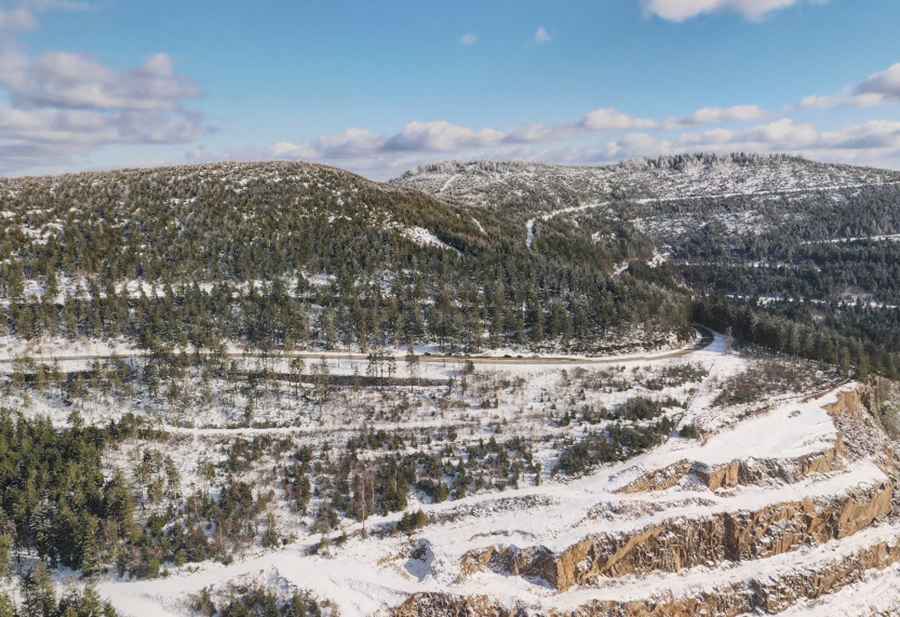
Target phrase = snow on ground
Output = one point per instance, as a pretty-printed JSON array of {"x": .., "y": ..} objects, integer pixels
[
  {"x": 792, "y": 430},
  {"x": 882, "y": 238},
  {"x": 877, "y": 595},
  {"x": 365, "y": 576},
  {"x": 424, "y": 237},
  {"x": 50, "y": 348}
]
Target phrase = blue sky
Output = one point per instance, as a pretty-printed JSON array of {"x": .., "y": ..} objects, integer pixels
[{"x": 380, "y": 87}]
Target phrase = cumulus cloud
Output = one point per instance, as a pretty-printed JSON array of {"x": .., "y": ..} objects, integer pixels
[
  {"x": 532, "y": 133},
  {"x": 877, "y": 89},
  {"x": 62, "y": 79},
  {"x": 712, "y": 115},
  {"x": 281, "y": 149},
  {"x": 468, "y": 39},
  {"x": 886, "y": 83},
  {"x": 608, "y": 118},
  {"x": 871, "y": 99},
  {"x": 713, "y": 136},
  {"x": 441, "y": 136},
  {"x": 787, "y": 135},
  {"x": 635, "y": 145},
  {"x": 64, "y": 104},
  {"x": 349, "y": 143},
  {"x": 877, "y": 134},
  {"x": 785, "y": 132},
  {"x": 437, "y": 136},
  {"x": 682, "y": 10},
  {"x": 542, "y": 36}
]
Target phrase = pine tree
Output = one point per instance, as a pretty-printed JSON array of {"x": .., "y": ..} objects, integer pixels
[
  {"x": 90, "y": 551},
  {"x": 38, "y": 595},
  {"x": 6, "y": 546}
]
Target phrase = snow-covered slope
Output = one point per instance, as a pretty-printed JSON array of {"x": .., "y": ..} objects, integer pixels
[
  {"x": 709, "y": 214},
  {"x": 549, "y": 187},
  {"x": 775, "y": 506}
]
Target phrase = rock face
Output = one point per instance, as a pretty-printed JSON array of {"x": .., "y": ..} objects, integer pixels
[
  {"x": 849, "y": 403},
  {"x": 659, "y": 479},
  {"x": 776, "y": 595},
  {"x": 738, "y": 472},
  {"x": 446, "y": 605},
  {"x": 684, "y": 543},
  {"x": 767, "y": 593},
  {"x": 759, "y": 471}
]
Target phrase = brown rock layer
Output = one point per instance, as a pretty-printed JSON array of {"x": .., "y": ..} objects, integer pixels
[
  {"x": 659, "y": 479},
  {"x": 684, "y": 543},
  {"x": 739, "y": 472},
  {"x": 769, "y": 593}
]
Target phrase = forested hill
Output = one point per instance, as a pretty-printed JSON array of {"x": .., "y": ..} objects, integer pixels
[
  {"x": 278, "y": 254},
  {"x": 795, "y": 254}
]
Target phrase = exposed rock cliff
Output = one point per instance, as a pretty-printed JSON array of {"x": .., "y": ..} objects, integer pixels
[{"x": 683, "y": 543}]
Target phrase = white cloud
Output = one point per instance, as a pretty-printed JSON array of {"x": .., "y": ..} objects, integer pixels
[
  {"x": 843, "y": 100},
  {"x": 877, "y": 89},
  {"x": 542, "y": 36},
  {"x": 785, "y": 132},
  {"x": 712, "y": 115},
  {"x": 871, "y": 135},
  {"x": 415, "y": 137},
  {"x": 713, "y": 136},
  {"x": 682, "y": 10},
  {"x": 62, "y": 79},
  {"x": 609, "y": 118},
  {"x": 286, "y": 149},
  {"x": 441, "y": 136},
  {"x": 468, "y": 39},
  {"x": 64, "y": 105},
  {"x": 531, "y": 133},
  {"x": 787, "y": 135},
  {"x": 634, "y": 145},
  {"x": 352, "y": 142},
  {"x": 886, "y": 83}
]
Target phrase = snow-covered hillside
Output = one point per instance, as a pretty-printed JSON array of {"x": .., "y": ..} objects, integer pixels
[
  {"x": 776, "y": 490},
  {"x": 549, "y": 187},
  {"x": 282, "y": 389}
]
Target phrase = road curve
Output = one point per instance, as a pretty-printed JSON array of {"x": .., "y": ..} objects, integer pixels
[{"x": 706, "y": 339}]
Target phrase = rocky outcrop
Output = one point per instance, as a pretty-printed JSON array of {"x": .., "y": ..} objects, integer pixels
[
  {"x": 528, "y": 563},
  {"x": 849, "y": 403},
  {"x": 659, "y": 479},
  {"x": 768, "y": 593},
  {"x": 684, "y": 543},
  {"x": 739, "y": 472},
  {"x": 447, "y": 605},
  {"x": 778, "y": 594},
  {"x": 759, "y": 471}
]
